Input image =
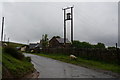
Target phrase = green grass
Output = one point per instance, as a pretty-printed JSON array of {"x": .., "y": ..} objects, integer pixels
[
  {"x": 84, "y": 62},
  {"x": 16, "y": 67},
  {"x": 0, "y": 60},
  {"x": 13, "y": 44}
]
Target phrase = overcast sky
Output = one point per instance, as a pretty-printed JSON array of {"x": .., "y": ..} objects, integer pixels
[{"x": 93, "y": 21}]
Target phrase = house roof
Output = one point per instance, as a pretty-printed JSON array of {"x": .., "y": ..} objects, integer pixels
[
  {"x": 34, "y": 45},
  {"x": 61, "y": 40},
  {"x": 38, "y": 45}
]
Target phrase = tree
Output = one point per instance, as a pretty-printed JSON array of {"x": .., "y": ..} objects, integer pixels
[
  {"x": 100, "y": 45},
  {"x": 86, "y": 45},
  {"x": 56, "y": 36},
  {"x": 112, "y": 47},
  {"x": 44, "y": 41},
  {"x": 78, "y": 44}
]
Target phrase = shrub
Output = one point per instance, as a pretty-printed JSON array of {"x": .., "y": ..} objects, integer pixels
[
  {"x": 78, "y": 44},
  {"x": 112, "y": 47},
  {"x": 13, "y": 52},
  {"x": 100, "y": 45},
  {"x": 28, "y": 59}
]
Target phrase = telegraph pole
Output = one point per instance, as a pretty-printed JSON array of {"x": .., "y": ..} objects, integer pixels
[
  {"x": 117, "y": 52},
  {"x": 72, "y": 24},
  {"x": 2, "y": 29},
  {"x": 4, "y": 37},
  {"x": 8, "y": 39},
  {"x": 69, "y": 17},
  {"x": 64, "y": 27},
  {"x": 28, "y": 42},
  {"x": 116, "y": 45}
]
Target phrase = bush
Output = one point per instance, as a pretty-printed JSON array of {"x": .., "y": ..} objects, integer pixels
[
  {"x": 28, "y": 59},
  {"x": 100, "y": 45},
  {"x": 112, "y": 47},
  {"x": 13, "y": 52},
  {"x": 78, "y": 44}
]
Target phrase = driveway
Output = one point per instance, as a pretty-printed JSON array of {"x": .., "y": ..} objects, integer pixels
[{"x": 50, "y": 68}]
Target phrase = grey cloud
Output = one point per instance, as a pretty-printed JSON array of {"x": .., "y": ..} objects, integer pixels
[{"x": 93, "y": 22}]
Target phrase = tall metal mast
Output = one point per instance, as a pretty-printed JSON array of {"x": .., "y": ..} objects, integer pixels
[{"x": 69, "y": 17}]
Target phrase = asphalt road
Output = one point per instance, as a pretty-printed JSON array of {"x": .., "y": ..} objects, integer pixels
[{"x": 50, "y": 68}]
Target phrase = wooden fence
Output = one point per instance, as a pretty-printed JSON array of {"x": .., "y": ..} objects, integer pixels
[{"x": 107, "y": 55}]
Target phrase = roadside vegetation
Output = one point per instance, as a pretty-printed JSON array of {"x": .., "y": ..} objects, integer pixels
[
  {"x": 13, "y": 44},
  {"x": 14, "y": 63},
  {"x": 0, "y": 62},
  {"x": 83, "y": 62}
]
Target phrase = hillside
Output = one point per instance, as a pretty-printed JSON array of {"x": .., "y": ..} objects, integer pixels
[
  {"x": 13, "y": 67},
  {"x": 13, "y": 44},
  {"x": 14, "y": 64}
]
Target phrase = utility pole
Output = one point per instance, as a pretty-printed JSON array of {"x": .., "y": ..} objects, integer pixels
[
  {"x": 4, "y": 37},
  {"x": 116, "y": 45},
  {"x": 8, "y": 40},
  {"x": 72, "y": 24},
  {"x": 28, "y": 42},
  {"x": 117, "y": 52},
  {"x": 64, "y": 27},
  {"x": 69, "y": 17},
  {"x": 2, "y": 30}
]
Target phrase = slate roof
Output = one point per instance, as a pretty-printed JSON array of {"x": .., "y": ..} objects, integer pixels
[
  {"x": 38, "y": 45},
  {"x": 32, "y": 45},
  {"x": 61, "y": 40}
]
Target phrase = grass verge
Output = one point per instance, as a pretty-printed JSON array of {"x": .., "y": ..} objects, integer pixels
[
  {"x": 84, "y": 62},
  {"x": 0, "y": 62},
  {"x": 18, "y": 68},
  {"x": 13, "y": 63}
]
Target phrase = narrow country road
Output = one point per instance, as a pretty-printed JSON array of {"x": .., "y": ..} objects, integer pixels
[{"x": 50, "y": 68}]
